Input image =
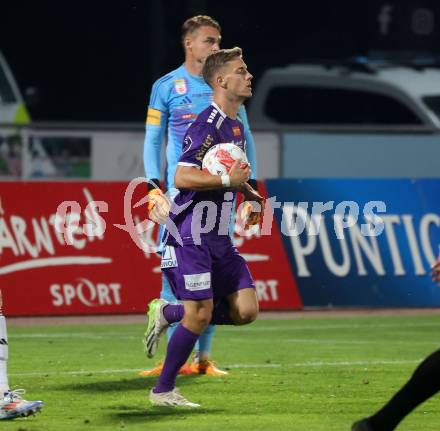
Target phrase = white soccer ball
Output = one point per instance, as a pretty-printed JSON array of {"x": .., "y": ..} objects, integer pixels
[{"x": 219, "y": 159}]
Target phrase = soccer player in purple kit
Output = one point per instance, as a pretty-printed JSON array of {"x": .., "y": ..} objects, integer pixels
[
  {"x": 204, "y": 269},
  {"x": 176, "y": 100}
]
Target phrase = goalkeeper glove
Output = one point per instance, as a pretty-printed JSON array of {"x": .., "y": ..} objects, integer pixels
[{"x": 158, "y": 206}]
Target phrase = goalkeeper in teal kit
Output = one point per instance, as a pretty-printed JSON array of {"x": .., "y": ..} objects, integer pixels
[{"x": 176, "y": 100}]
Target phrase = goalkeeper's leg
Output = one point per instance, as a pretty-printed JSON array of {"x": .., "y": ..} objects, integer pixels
[{"x": 202, "y": 363}]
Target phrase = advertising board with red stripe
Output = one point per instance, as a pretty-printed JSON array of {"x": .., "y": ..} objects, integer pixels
[{"x": 96, "y": 257}]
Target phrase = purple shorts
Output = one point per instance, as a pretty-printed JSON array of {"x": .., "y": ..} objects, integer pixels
[{"x": 213, "y": 270}]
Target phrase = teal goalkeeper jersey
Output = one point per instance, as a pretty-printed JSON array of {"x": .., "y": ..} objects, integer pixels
[{"x": 176, "y": 100}]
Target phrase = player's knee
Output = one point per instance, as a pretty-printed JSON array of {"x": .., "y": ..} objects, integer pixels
[
  {"x": 199, "y": 318},
  {"x": 247, "y": 314},
  {"x": 204, "y": 316}
]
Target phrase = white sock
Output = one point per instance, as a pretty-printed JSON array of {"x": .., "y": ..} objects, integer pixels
[{"x": 4, "y": 385}]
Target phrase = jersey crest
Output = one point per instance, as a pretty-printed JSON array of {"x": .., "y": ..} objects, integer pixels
[{"x": 180, "y": 86}]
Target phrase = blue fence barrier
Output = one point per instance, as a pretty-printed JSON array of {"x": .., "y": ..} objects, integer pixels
[{"x": 373, "y": 245}]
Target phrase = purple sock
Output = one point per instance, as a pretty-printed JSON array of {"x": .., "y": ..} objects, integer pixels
[
  {"x": 173, "y": 312},
  {"x": 179, "y": 348}
]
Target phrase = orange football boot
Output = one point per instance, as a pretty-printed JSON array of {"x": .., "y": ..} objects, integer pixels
[
  {"x": 207, "y": 367},
  {"x": 185, "y": 370}
]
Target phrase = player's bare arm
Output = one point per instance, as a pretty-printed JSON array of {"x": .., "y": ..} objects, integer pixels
[{"x": 195, "y": 179}]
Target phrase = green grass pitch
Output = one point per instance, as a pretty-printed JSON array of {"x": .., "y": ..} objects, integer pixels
[{"x": 308, "y": 374}]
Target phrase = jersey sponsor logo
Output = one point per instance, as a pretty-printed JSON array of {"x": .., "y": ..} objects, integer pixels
[
  {"x": 190, "y": 116},
  {"x": 169, "y": 259},
  {"x": 199, "y": 95},
  {"x": 183, "y": 107},
  {"x": 236, "y": 131},
  {"x": 204, "y": 148},
  {"x": 195, "y": 282},
  {"x": 153, "y": 117},
  {"x": 180, "y": 86}
]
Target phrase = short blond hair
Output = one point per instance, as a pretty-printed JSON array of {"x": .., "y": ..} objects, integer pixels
[
  {"x": 194, "y": 23},
  {"x": 215, "y": 61}
]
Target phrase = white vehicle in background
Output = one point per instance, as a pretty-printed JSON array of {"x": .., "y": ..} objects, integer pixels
[
  {"x": 353, "y": 119},
  {"x": 353, "y": 95},
  {"x": 12, "y": 107}
]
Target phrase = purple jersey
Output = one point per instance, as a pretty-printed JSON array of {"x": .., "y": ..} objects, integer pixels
[{"x": 199, "y": 217}]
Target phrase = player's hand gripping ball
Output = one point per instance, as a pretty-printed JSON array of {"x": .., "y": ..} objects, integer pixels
[{"x": 220, "y": 158}]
